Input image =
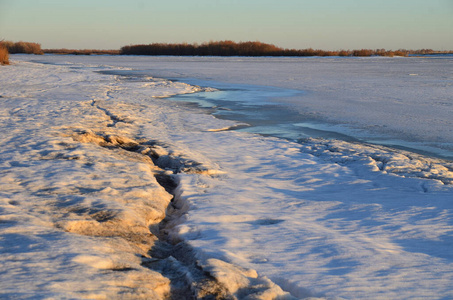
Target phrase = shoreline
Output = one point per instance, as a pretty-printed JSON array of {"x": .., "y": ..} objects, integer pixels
[
  {"x": 426, "y": 164},
  {"x": 301, "y": 126},
  {"x": 105, "y": 189},
  {"x": 331, "y": 215}
]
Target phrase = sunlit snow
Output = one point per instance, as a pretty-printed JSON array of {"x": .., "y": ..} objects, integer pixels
[{"x": 88, "y": 145}]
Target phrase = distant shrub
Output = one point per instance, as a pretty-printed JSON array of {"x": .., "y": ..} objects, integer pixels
[
  {"x": 400, "y": 53},
  {"x": 344, "y": 53},
  {"x": 81, "y": 51},
  {"x": 23, "y": 47},
  {"x": 362, "y": 52},
  {"x": 426, "y": 52},
  {"x": 230, "y": 48},
  {"x": 221, "y": 48},
  {"x": 4, "y": 55}
]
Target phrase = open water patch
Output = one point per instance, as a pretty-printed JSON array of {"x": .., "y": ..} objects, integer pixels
[
  {"x": 274, "y": 111},
  {"x": 260, "y": 108},
  {"x": 267, "y": 113}
]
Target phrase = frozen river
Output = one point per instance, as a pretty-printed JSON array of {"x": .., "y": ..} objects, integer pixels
[
  {"x": 404, "y": 102},
  {"x": 308, "y": 202}
]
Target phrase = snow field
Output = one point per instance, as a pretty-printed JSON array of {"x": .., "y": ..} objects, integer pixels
[
  {"x": 319, "y": 218},
  {"x": 321, "y": 228},
  {"x": 71, "y": 221},
  {"x": 82, "y": 199}
]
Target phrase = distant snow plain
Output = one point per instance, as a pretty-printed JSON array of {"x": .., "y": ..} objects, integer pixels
[{"x": 84, "y": 137}]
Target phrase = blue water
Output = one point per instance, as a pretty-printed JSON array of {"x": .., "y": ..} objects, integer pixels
[
  {"x": 265, "y": 111},
  {"x": 256, "y": 106}
]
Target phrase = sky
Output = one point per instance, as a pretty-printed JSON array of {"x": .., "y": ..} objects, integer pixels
[{"x": 299, "y": 24}]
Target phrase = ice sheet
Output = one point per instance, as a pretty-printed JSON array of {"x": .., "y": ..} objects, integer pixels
[
  {"x": 375, "y": 99},
  {"x": 87, "y": 162},
  {"x": 72, "y": 225},
  {"x": 320, "y": 218}
]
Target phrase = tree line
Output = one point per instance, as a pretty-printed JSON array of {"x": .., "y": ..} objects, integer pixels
[
  {"x": 230, "y": 48},
  {"x": 217, "y": 48},
  {"x": 22, "y": 47}
]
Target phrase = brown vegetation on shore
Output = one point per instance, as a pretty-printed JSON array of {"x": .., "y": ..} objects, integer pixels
[
  {"x": 216, "y": 48},
  {"x": 4, "y": 56},
  {"x": 23, "y": 47},
  {"x": 82, "y": 51},
  {"x": 222, "y": 48},
  {"x": 230, "y": 48}
]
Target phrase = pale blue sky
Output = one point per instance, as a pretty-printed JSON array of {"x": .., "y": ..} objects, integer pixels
[{"x": 321, "y": 24}]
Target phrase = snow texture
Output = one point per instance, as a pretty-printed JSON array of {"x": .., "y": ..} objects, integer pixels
[{"x": 90, "y": 160}]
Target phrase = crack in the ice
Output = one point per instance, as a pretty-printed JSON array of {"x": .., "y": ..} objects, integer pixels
[
  {"x": 174, "y": 260},
  {"x": 188, "y": 279},
  {"x": 114, "y": 118}
]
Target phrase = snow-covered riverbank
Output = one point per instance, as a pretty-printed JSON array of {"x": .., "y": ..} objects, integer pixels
[
  {"x": 90, "y": 161},
  {"x": 81, "y": 199}
]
